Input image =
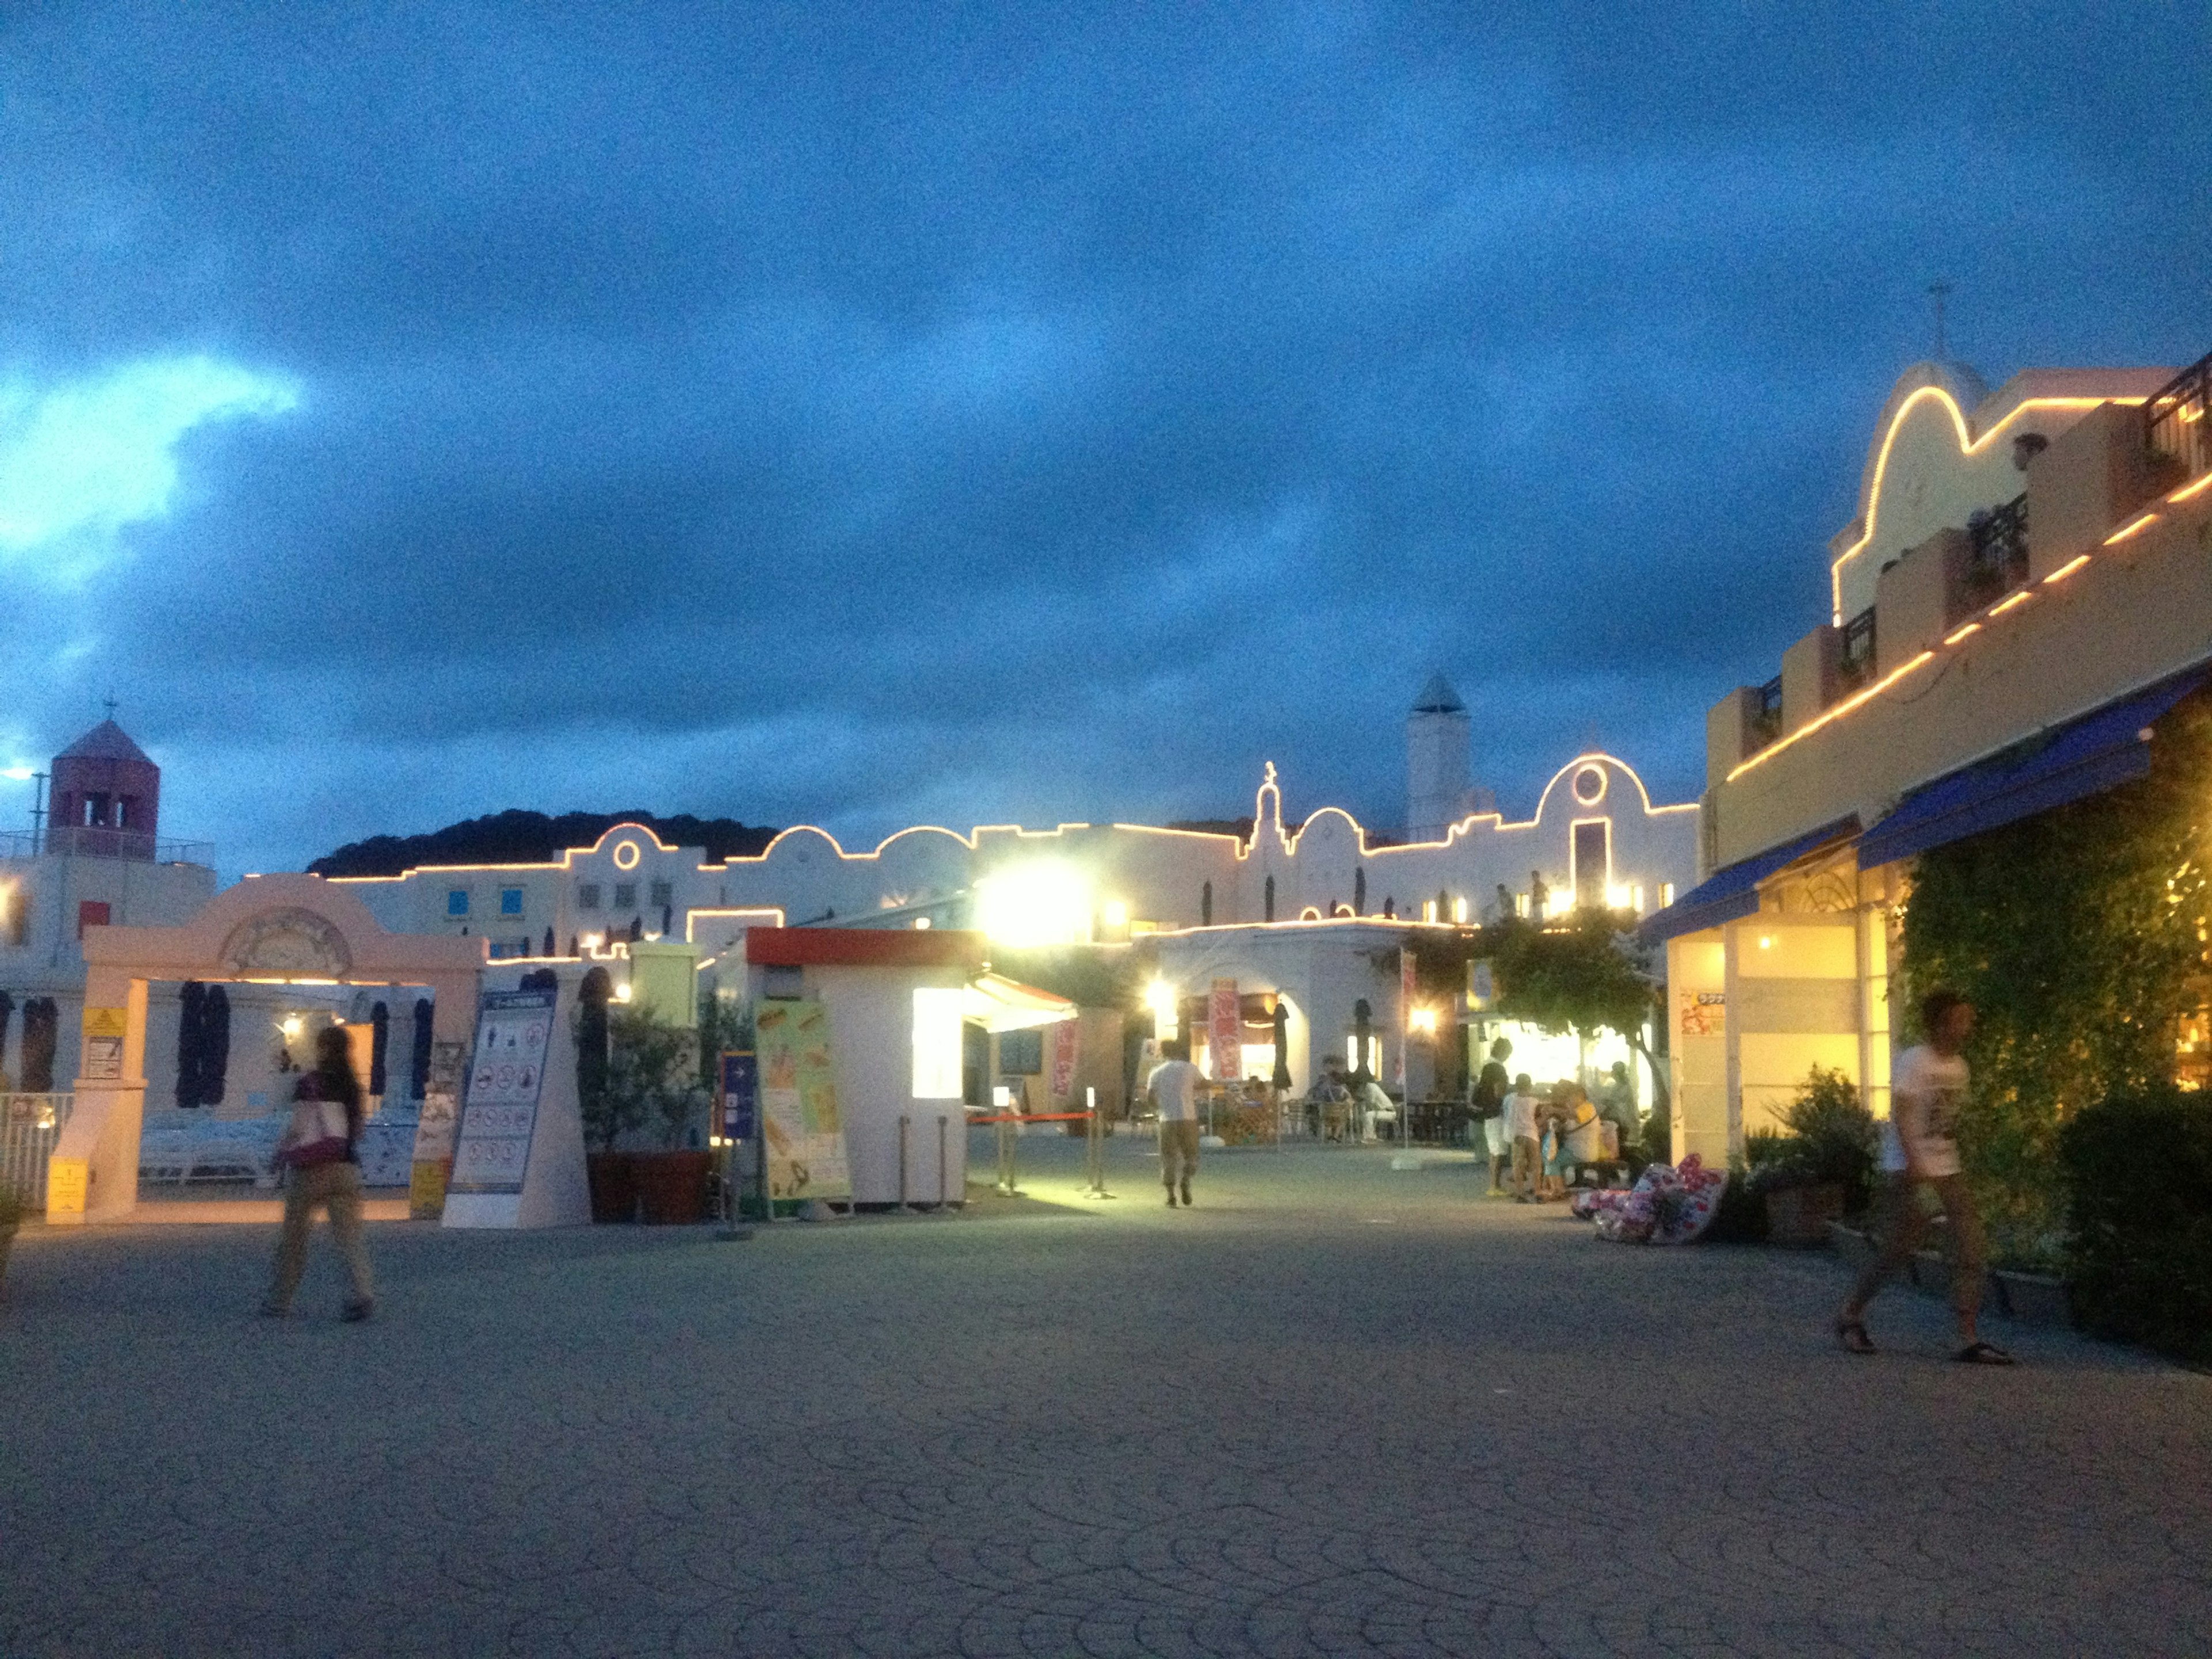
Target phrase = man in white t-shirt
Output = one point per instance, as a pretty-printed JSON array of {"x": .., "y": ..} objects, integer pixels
[
  {"x": 1173, "y": 1091},
  {"x": 1927, "y": 1091}
]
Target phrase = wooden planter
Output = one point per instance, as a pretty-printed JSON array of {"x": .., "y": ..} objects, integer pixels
[
  {"x": 1797, "y": 1218},
  {"x": 671, "y": 1186},
  {"x": 614, "y": 1186}
]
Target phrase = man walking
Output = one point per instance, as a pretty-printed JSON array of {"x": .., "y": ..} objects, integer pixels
[
  {"x": 1173, "y": 1091},
  {"x": 1490, "y": 1090},
  {"x": 1926, "y": 1093}
]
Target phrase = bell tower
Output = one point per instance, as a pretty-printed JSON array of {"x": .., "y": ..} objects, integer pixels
[
  {"x": 106, "y": 796},
  {"x": 1438, "y": 734}
]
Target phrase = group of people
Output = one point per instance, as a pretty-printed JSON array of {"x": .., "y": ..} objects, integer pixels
[
  {"x": 1338, "y": 1104},
  {"x": 1539, "y": 1139}
]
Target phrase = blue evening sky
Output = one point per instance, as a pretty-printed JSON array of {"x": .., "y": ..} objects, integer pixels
[{"x": 867, "y": 415}]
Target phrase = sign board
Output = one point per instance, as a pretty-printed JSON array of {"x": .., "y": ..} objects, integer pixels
[
  {"x": 491, "y": 1150},
  {"x": 1226, "y": 1033},
  {"x": 434, "y": 1135},
  {"x": 1481, "y": 986},
  {"x": 800, "y": 1121},
  {"x": 1704, "y": 1013},
  {"x": 740, "y": 1094},
  {"x": 68, "y": 1181},
  {"x": 104, "y": 1031},
  {"x": 1066, "y": 1037}
]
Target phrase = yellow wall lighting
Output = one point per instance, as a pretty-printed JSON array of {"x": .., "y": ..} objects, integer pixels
[
  {"x": 2013, "y": 603},
  {"x": 1968, "y": 446},
  {"x": 2186, "y": 492},
  {"x": 2128, "y": 530},
  {"x": 1835, "y": 714},
  {"x": 1954, "y": 638},
  {"x": 2065, "y": 570}
]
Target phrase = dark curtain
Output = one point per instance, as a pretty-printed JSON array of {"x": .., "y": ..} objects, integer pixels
[
  {"x": 7, "y": 1017},
  {"x": 418, "y": 1063},
  {"x": 215, "y": 1045},
  {"x": 380, "y": 1044},
  {"x": 42, "y": 1030},
  {"x": 192, "y": 1016},
  {"x": 549, "y": 942}
]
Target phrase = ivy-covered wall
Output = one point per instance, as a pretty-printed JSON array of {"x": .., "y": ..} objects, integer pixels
[{"x": 2080, "y": 935}]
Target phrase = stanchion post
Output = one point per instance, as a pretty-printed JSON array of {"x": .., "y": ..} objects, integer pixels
[
  {"x": 942, "y": 1189},
  {"x": 904, "y": 1121}
]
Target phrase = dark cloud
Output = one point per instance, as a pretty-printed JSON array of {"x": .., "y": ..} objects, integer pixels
[{"x": 852, "y": 416}]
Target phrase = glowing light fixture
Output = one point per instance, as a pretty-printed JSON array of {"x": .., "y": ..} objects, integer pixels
[
  {"x": 1116, "y": 914},
  {"x": 1034, "y": 904},
  {"x": 621, "y": 992},
  {"x": 2128, "y": 530},
  {"x": 2066, "y": 569},
  {"x": 1960, "y": 633}
]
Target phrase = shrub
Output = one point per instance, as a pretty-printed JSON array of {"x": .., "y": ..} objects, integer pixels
[
  {"x": 652, "y": 1072},
  {"x": 2138, "y": 1170},
  {"x": 1832, "y": 1137}
]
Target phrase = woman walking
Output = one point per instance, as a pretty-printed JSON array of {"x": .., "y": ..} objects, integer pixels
[{"x": 319, "y": 1146}]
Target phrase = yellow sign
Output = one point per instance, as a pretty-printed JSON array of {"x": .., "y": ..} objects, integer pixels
[
  {"x": 106, "y": 1022},
  {"x": 426, "y": 1188},
  {"x": 68, "y": 1180}
]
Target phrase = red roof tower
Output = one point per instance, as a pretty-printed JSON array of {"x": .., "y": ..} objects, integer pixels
[{"x": 106, "y": 796}]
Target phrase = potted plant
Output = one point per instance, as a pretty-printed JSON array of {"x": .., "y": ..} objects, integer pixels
[
  {"x": 608, "y": 1114},
  {"x": 653, "y": 1078},
  {"x": 1821, "y": 1168},
  {"x": 12, "y": 1218}
]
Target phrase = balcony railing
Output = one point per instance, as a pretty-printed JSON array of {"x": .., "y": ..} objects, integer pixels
[
  {"x": 2176, "y": 434},
  {"x": 93, "y": 841},
  {"x": 1855, "y": 664},
  {"x": 1766, "y": 723},
  {"x": 1998, "y": 562}
]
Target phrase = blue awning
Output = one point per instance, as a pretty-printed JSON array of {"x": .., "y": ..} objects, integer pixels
[
  {"x": 2085, "y": 757},
  {"x": 1732, "y": 894}
]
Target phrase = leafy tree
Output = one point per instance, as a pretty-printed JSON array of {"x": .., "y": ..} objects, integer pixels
[
  {"x": 653, "y": 1073},
  {"x": 1585, "y": 977}
]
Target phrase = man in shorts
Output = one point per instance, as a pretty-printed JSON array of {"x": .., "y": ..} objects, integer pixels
[
  {"x": 1173, "y": 1091},
  {"x": 1927, "y": 1090}
]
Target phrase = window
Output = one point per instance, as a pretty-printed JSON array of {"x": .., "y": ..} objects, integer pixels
[
  {"x": 1666, "y": 894},
  {"x": 1428, "y": 909},
  {"x": 588, "y": 896},
  {"x": 1021, "y": 1054},
  {"x": 90, "y": 912},
  {"x": 95, "y": 808},
  {"x": 1593, "y": 855},
  {"x": 15, "y": 904},
  {"x": 625, "y": 895},
  {"x": 456, "y": 902},
  {"x": 783, "y": 984},
  {"x": 664, "y": 893},
  {"x": 1459, "y": 911},
  {"x": 510, "y": 900}
]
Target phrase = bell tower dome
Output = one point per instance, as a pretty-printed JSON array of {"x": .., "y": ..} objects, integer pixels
[{"x": 106, "y": 796}]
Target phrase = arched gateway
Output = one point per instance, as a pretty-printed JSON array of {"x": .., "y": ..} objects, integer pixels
[{"x": 268, "y": 930}]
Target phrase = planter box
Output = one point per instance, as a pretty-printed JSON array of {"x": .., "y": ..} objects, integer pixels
[
  {"x": 614, "y": 1187},
  {"x": 2033, "y": 1298},
  {"x": 1797, "y": 1218},
  {"x": 671, "y": 1186}
]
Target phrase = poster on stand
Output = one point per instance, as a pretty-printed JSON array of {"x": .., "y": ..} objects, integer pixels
[
  {"x": 491, "y": 1152},
  {"x": 433, "y": 1159},
  {"x": 799, "y": 1120}
]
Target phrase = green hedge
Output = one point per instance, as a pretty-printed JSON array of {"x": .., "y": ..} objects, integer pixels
[{"x": 2139, "y": 1180}]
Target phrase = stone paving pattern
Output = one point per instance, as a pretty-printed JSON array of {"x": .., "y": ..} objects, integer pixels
[{"x": 1335, "y": 1410}]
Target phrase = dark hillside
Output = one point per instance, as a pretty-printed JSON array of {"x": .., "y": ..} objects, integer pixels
[{"x": 518, "y": 837}]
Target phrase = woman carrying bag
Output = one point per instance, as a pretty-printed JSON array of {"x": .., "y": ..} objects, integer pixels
[{"x": 318, "y": 1148}]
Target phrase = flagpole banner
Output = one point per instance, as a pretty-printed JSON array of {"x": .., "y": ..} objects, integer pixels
[
  {"x": 1063, "y": 1040},
  {"x": 1227, "y": 1033},
  {"x": 491, "y": 1152},
  {"x": 799, "y": 1120}
]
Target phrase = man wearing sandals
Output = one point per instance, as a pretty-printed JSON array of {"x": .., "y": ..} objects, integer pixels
[{"x": 1918, "y": 1151}]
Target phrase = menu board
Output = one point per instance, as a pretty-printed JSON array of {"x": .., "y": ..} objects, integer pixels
[
  {"x": 492, "y": 1151},
  {"x": 806, "y": 1134}
]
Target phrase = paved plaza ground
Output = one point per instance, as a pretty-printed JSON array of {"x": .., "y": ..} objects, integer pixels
[{"x": 1337, "y": 1409}]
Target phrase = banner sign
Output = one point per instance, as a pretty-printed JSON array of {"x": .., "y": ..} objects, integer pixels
[
  {"x": 1704, "y": 1013},
  {"x": 1227, "y": 1033},
  {"x": 799, "y": 1120},
  {"x": 434, "y": 1132},
  {"x": 491, "y": 1152},
  {"x": 1408, "y": 990},
  {"x": 1065, "y": 1037},
  {"x": 104, "y": 1031},
  {"x": 740, "y": 1094}
]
